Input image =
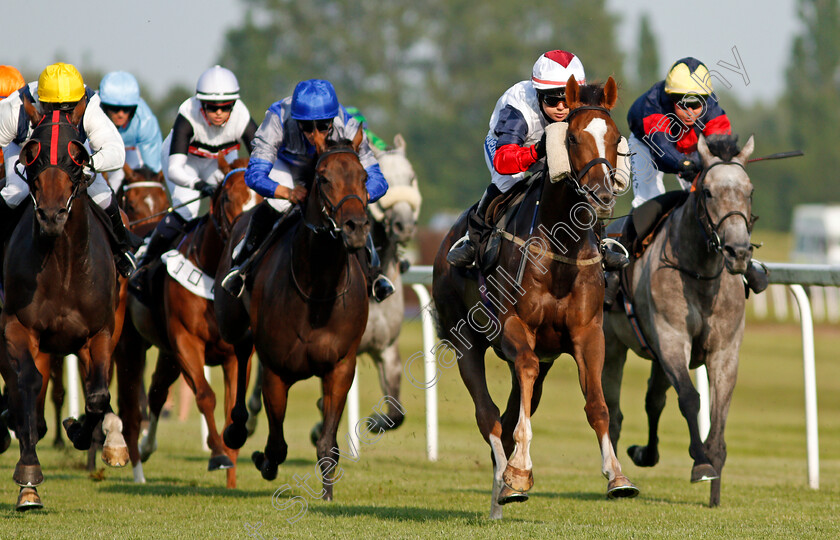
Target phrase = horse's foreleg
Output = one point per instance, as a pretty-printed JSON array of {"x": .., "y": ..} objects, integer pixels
[
  {"x": 589, "y": 355},
  {"x": 723, "y": 371},
  {"x": 130, "y": 364},
  {"x": 254, "y": 405},
  {"x": 57, "y": 396},
  {"x": 390, "y": 372},
  {"x": 658, "y": 384},
  {"x": 335, "y": 385},
  {"x": 518, "y": 343},
  {"x": 43, "y": 364},
  {"x": 275, "y": 395},
  {"x": 191, "y": 350},
  {"x": 237, "y": 432},
  {"x": 611, "y": 377},
  {"x": 230, "y": 368},
  {"x": 166, "y": 372}
]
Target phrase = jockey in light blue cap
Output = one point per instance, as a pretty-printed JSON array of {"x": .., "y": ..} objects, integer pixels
[
  {"x": 140, "y": 131},
  {"x": 282, "y": 158}
]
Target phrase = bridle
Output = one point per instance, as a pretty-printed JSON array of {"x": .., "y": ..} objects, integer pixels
[
  {"x": 331, "y": 227},
  {"x": 574, "y": 177},
  {"x": 708, "y": 227}
]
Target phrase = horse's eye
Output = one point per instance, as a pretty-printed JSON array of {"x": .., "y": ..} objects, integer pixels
[{"x": 572, "y": 139}]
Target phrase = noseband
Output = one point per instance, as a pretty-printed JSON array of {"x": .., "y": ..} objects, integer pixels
[{"x": 332, "y": 227}]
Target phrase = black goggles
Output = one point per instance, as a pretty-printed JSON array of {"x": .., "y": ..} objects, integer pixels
[
  {"x": 129, "y": 109},
  {"x": 308, "y": 126},
  {"x": 688, "y": 101},
  {"x": 552, "y": 100},
  {"x": 214, "y": 106}
]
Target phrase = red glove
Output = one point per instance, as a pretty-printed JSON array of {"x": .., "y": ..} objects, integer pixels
[{"x": 512, "y": 158}]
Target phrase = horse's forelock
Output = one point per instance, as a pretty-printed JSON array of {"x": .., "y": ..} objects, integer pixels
[
  {"x": 723, "y": 146},
  {"x": 591, "y": 94}
]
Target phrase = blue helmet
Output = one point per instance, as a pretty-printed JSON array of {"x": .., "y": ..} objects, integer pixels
[
  {"x": 314, "y": 99},
  {"x": 119, "y": 88}
]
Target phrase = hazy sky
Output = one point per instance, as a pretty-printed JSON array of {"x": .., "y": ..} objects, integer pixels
[{"x": 161, "y": 47}]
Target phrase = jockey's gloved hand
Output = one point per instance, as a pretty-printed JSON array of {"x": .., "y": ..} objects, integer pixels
[
  {"x": 297, "y": 195},
  {"x": 206, "y": 189},
  {"x": 539, "y": 148},
  {"x": 690, "y": 167}
]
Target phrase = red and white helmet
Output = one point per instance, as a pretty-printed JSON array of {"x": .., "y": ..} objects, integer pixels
[{"x": 553, "y": 69}]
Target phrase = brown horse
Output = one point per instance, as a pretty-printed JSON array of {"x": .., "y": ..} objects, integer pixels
[
  {"x": 307, "y": 308},
  {"x": 184, "y": 325},
  {"x": 553, "y": 308},
  {"x": 61, "y": 293}
]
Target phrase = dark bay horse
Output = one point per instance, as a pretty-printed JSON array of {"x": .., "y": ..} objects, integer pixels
[
  {"x": 690, "y": 311},
  {"x": 307, "y": 308},
  {"x": 184, "y": 325},
  {"x": 556, "y": 306},
  {"x": 61, "y": 293}
]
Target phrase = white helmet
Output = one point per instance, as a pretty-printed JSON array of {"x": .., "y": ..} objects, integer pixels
[
  {"x": 553, "y": 69},
  {"x": 217, "y": 84}
]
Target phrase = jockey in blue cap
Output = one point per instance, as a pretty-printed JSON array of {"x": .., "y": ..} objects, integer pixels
[
  {"x": 121, "y": 101},
  {"x": 282, "y": 158}
]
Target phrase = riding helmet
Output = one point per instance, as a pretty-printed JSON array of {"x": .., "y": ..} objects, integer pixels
[
  {"x": 553, "y": 69},
  {"x": 10, "y": 81},
  {"x": 60, "y": 83},
  {"x": 314, "y": 99},
  {"x": 217, "y": 84},
  {"x": 119, "y": 88},
  {"x": 688, "y": 76}
]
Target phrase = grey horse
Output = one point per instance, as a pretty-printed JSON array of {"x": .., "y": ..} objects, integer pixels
[
  {"x": 394, "y": 224},
  {"x": 689, "y": 310}
]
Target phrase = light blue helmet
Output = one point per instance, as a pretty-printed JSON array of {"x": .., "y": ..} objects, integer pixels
[
  {"x": 119, "y": 88},
  {"x": 314, "y": 99}
]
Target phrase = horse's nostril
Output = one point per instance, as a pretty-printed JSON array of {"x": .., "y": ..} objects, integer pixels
[
  {"x": 399, "y": 226},
  {"x": 350, "y": 225}
]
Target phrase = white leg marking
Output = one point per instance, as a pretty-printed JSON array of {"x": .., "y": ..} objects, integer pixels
[
  {"x": 521, "y": 457},
  {"x": 501, "y": 463},
  {"x": 609, "y": 464},
  {"x": 148, "y": 444}
]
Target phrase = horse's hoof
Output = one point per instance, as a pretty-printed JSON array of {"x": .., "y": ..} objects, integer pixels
[
  {"x": 235, "y": 436},
  {"x": 73, "y": 428},
  {"x": 115, "y": 456},
  {"x": 703, "y": 472},
  {"x": 642, "y": 456},
  {"x": 28, "y": 475},
  {"x": 315, "y": 433},
  {"x": 268, "y": 471},
  {"x": 146, "y": 449},
  {"x": 28, "y": 499},
  {"x": 509, "y": 495},
  {"x": 219, "y": 463},
  {"x": 518, "y": 479},
  {"x": 621, "y": 488}
]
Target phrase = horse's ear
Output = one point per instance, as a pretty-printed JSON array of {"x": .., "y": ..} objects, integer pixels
[
  {"x": 129, "y": 173},
  {"x": 224, "y": 166},
  {"x": 29, "y": 152},
  {"x": 78, "y": 112},
  {"x": 357, "y": 140},
  {"x": 31, "y": 111},
  {"x": 703, "y": 149},
  {"x": 572, "y": 93},
  {"x": 78, "y": 153},
  {"x": 610, "y": 94},
  {"x": 746, "y": 151},
  {"x": 399, "y": 143}
]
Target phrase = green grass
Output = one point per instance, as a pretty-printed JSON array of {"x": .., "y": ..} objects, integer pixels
[{"x": 394, "y": 492}]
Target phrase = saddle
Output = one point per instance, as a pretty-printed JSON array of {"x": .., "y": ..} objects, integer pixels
[{"x": 501, "y": 212}]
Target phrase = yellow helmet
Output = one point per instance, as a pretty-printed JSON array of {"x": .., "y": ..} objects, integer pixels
[
  {"x": 688, "y": 75},
  {"x": 10, "y": 81},
  {"x": 61, "y": 83}
]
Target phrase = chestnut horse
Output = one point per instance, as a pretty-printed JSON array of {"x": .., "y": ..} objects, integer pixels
[
  {"x": 61, "y": 294},
  {"x": 553, "y": 308},
  {"x": 184, "y": 327},
  {"x": 307, "y": 308}
]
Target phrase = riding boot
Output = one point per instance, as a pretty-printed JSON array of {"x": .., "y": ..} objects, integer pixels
[
  {"x": 462, "y": 253},
  {"x": 613, "y": 260},
  {"x": 381, "y": 286},
  {"x": 123, "y": 257},
  {"x": 756, "y": 278},
  {"x": 612, "y": 281},
  {"x": 169, "y": 228},
  {"x": 263, "y": 220}
]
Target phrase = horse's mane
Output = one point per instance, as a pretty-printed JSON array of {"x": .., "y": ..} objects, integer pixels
[{"x": 723, "y": 146}]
